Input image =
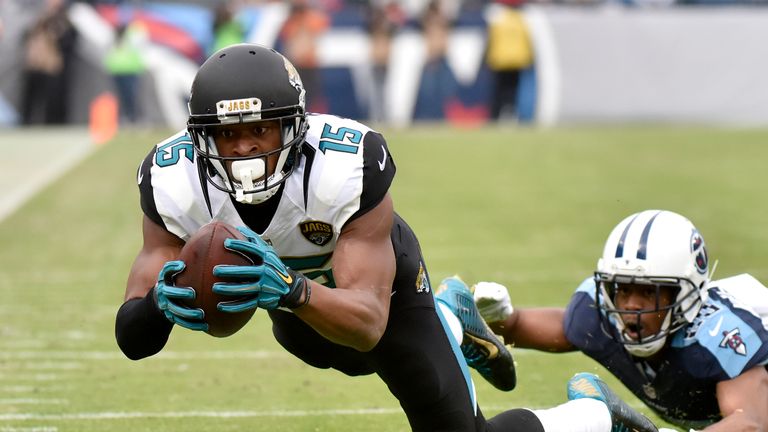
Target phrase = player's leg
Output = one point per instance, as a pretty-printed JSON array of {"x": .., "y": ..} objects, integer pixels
[
  {"x": 428, "y": 376},
  {"x": 623, "y": 417},
  {"x": 417, "y": 359},
  {"x": 592, "y": 407},
  {"x": 482, "y": 349},
  {"x": 581, "y": 415},
  {"x": 304, "y": 342}
]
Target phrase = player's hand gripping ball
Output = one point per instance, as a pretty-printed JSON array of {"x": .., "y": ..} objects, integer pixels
[
  {"x": 203, "y": 251},
  {"x": 268, "y": 284}
]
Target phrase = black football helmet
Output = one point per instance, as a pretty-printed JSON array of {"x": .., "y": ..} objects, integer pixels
[{"x": 246, "y": 83}]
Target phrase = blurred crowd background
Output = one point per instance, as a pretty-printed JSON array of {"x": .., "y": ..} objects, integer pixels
[{"x": 396, "y": 62}]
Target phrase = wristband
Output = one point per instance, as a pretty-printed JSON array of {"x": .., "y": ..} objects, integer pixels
[{"x": 299, "y": 287}]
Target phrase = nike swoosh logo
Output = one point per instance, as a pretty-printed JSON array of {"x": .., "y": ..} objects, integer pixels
[
  {"x": 139, "y": 177},
  {"x": 491, "y": 349},
  {"x": 716, "y": 330},
  {"x": 383, "y": 160},
  {"x": 287, "y": 279}
]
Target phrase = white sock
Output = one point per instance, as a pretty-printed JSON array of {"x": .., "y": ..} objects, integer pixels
[
  {"x": 453, "y": 322},
  {"x": 579, "y": 415}
]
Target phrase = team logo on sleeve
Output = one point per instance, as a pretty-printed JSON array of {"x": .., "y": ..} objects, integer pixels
[
  {"x": 732, "y": 339},
  {"x": 319, "y": 233},
  {"x": 422, "y": 281}
]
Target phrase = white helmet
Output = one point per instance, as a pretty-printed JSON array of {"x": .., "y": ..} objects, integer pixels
[{"x": 659, "y": 248}]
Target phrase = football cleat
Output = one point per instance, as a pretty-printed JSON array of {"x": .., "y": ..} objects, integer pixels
[
  {"x": 482, "y": 349},
  {"x": 623, "y": 418}
]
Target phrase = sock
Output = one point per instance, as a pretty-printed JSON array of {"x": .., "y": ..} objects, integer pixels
[{"x": 580, "y": 415}]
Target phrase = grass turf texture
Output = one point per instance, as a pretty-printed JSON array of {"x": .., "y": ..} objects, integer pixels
[{"x": 527, "y": 208}]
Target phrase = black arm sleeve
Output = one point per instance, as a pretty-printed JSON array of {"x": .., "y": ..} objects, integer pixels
[{"x": 141, "y": 329}]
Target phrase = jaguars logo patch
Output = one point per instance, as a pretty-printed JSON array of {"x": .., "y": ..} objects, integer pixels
[
  {"x": 422, "y": 281},
  {"x": 319, "y": 233},
  {"x": 295, "y": 80}
]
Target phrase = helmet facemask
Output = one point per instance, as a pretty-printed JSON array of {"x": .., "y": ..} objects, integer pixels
[
  {"x": 628, "y": 323},
  {"x": 249, "y": 178},
  {"x": 243, "y": 84}
]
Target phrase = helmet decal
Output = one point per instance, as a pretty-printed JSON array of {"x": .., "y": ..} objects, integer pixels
[
  {"x": 295, "y": 80},
  {"x": 249, "y": 108},
  {"x": 620, "y": 246},
  {"x": 642, "y": 250},
  {"x": 699, "y": 250}
]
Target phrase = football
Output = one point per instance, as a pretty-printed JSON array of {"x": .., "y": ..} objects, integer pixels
[{"x": 202, "y": 252}]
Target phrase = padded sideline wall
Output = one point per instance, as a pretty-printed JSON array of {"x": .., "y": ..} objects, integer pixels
[{"x": 680, "y": 64}]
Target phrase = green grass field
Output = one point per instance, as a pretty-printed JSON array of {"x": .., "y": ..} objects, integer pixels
[{"x": 524, "y": 207}]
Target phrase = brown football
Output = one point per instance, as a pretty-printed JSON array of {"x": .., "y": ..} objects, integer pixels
[{"x": 202, "y": 252}]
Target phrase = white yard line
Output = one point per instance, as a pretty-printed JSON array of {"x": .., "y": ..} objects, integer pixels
[
  {"x": 33, "y": 401},
  {"x": 29, "y": 429},
  {"x": 209, "y": 414},
  {"x": 116, "y": 355},
  {"x": 199, "y": 414}
]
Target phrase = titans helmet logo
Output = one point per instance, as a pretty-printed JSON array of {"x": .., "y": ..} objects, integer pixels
[{"x": 699, "y": 251}]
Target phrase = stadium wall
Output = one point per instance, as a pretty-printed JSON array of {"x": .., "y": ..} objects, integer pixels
[{"x": 615, "y": 64}]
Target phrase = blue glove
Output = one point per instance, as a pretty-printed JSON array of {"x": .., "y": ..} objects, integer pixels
[
  {"x": 167, "y": 297},
  {"x": 268, "y": 284}
]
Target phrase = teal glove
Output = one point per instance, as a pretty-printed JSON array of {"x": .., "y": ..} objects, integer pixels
[
  {"x": 268, "y": 284},
  {"x": 167, "y": 297}
]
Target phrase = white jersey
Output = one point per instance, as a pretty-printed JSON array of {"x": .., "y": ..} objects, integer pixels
[{"x": 345, "y": 170}]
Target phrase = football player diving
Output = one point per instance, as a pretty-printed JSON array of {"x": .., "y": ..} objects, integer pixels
[
  {"x": 340, "y": 274},
  {"x": 694, "y": 350}
]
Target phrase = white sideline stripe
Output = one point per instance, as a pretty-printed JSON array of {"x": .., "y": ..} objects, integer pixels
[
  {"x": 71, "y": 145},
  {"x": 117, "y": 355}
]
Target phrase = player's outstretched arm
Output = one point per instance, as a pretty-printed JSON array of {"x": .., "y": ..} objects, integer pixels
[
  {"x": 536, "y": 328},
  {"x": 355, "y": 313},
  {"x": 743, "y": 402},
  {"x": 141, "y": 327}
]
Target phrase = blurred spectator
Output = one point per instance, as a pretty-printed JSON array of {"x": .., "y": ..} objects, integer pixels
[
  {"x": 383, "y": 22},
  {"x": 48, "y": 49},
  {"x": 298, "y": 37},
  {"x": 227, "y": 30},
  {"x": 509, "y": 52},
  {"x": 438, "y": 85},
  {"x": 125, "y": 64}
]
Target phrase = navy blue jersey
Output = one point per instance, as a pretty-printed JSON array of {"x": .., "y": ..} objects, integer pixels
[{"x": 727, "y": 338}]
